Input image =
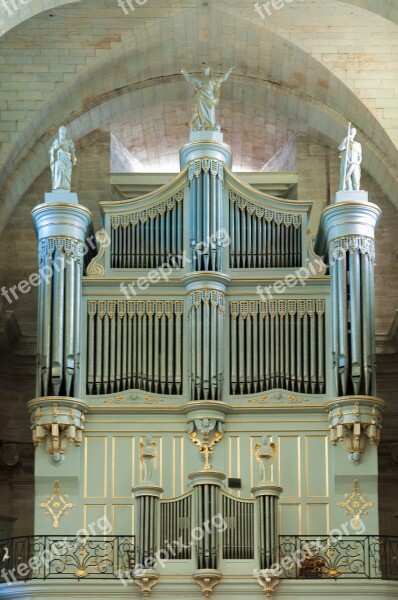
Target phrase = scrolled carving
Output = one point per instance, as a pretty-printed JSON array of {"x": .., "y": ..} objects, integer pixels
[
  {"x": 146, "y": 582},
  {"x": 96, "y": 268}
]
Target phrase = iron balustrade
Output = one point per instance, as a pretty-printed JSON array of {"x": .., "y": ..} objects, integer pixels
[
  {"x": 113, "y": 557},
  {"x": 348, "y": 557},
  {"x": 62, "y": 557}
]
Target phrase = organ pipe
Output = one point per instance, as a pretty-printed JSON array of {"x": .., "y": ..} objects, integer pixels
[
  {"x": 206, "y": 314},
  {"x": 352, "y": 272},
  {"x": 150, "y": 237},
  {"x": 59, "y": 316},
  {"x": 134, "y": 344},
  {"x": 284, "y": 341},
  {"x": 262, "y": 238},
  {"x": 205, "y": 178}
]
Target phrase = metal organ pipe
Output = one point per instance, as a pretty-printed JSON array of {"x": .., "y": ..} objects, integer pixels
[
  {"x": 149, "y": 237},
  {"x": 262, "y": 238},
  {"x": 206, "y": 313},
  {"x": 134, "y": 344},
  {"x": 59, "y": 297},
  {"x": 352, "y": 272},
  {"x": 205, "y": 178},
  {"x": 284, "y": 340}
]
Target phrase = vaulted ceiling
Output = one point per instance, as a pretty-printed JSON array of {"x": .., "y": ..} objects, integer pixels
[{"x": 87, "y": 64}]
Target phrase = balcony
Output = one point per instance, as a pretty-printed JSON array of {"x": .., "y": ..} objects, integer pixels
[{"x": 323, "y": 557}]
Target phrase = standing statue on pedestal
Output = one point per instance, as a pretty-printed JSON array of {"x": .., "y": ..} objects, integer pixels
[
  {"x": 62, "y": 159},
  {"x": 265, "y": 454},
  {"x": 149, "y": 454},
  {"x": 351, "y": 159},
  {"x": 207, "y": 95}
]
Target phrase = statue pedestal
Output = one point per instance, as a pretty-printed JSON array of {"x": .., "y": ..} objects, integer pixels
[
  {"x": 61, "y": 197},
  {"x": 351, "y": 196},
  {"x": 205, "y": 135}
]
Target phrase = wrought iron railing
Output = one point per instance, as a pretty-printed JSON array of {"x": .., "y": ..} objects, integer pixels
[
  {"x": 60, "y": 557},
  {"x": 113, "y": 557},
  {"x": 348, "y": 557}
]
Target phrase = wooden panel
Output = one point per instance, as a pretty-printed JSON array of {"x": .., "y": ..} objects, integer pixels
[
  {"x": 122, "y": 466},
  {"x": 290, "y": 465},
  {"x": 317, "y": 468},
  {"x": 317, "y": 519},
  {"x": 178, "y": 480},
  {"x": 94, "y": 518},
  {"x": 123, "y": 519},
  {"x": 290, "y": 519},
  {"x": 95, "y": 467}
]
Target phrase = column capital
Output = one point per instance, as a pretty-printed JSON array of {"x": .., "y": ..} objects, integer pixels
[
  {"x": 60, "y": 220},
  {"x": 346, "y": 219}
]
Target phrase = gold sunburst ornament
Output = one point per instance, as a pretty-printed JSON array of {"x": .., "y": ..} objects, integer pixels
[
  {"x": 56, "y": 504},
  {"x": 356, "y": 504}
]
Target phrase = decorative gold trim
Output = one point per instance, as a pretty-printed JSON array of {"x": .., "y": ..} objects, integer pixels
[
  {"x": 356, "y": 503},
  {"x": 146, "y": 583},
  {"x": 44, "y": 205},
  {"x": 56, "y": 505},
  {"x": 265, "y": 398},
  {"x": 207, "y": 581},
  {"x": 95, "y": 269}
]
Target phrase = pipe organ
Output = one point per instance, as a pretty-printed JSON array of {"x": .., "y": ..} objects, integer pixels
[
  {"x": 351, "y": 267},
  {"x": 262, "y": 238},
  {"x": 199, "y": 318},
  {"x": 150, "y": 237},
  {"x": 134, "y": 344},
  {"x": 277, "y": 344},
  {"x": 63, "y": 249},
  {"x": 207, "y": 347},
  {"x": 205, "y": 178}
]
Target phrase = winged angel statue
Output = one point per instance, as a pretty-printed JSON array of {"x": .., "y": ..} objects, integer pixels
[{"x": 265, "y": 453}]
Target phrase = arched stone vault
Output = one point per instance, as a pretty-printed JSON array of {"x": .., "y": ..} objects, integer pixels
[{"x": 136, "y": 67}]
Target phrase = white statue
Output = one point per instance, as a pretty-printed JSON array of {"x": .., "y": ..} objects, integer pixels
[
  {"x": 207, "y": 94},
  {"x": 265, "y": 454},
  {"x": 351, "y": 159},
  {"x": 149, "y": 454},
  {"x": 62, "y": 159}
]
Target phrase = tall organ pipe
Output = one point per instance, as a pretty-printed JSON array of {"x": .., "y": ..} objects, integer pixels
[
  {"x": 134, "y": 345},
  {"x": 285, "y": 343},
  {"x": 205, "y": 178},
  {"x": 61, "y": 230},
  {"x": 352, "y": 272}
]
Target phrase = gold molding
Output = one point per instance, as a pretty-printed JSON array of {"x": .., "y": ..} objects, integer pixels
[
  {"x": 356, "y": 503},
  {"x": 56, "y": 505}
]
